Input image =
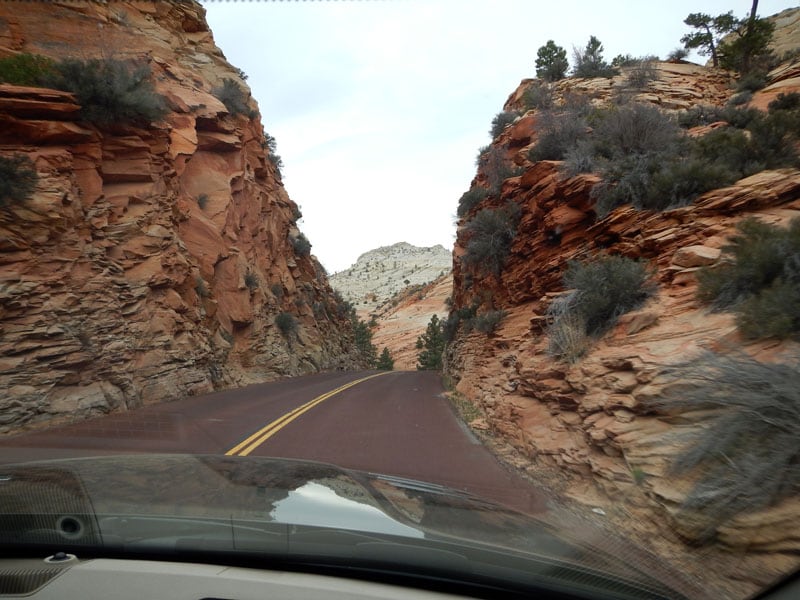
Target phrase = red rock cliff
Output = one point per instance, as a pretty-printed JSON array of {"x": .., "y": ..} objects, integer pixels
[
  {"x": 151, "y": 262},
  {"x": 581, "y": 427}
]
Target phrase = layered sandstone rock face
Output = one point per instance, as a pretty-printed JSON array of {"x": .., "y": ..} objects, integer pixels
[
  {"x": 582, "y": 427},
  {"x": 150, "y": 262}
]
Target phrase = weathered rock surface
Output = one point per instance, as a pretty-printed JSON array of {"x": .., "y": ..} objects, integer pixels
[
  {"x": 678, "y": 87},
  {"x": 379, "y": 274},
  {"x": 582, "y": 426},
  {"x": 787, "y": 31},
  {"x": 117, "y": 288}
]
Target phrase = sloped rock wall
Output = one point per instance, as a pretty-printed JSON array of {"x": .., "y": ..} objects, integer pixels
[{"x": 150, "y": 262}]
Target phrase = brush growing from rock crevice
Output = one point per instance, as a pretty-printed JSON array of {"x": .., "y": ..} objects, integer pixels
[
  {"x": 602, "y": 290},
  {"x": 111, "y": 92},
  {"x": 490, "y": 235},
  {"x": 758, "y": 278},
  {"x": 747, "y": 457},
  {"x": 18, "y": 178}
]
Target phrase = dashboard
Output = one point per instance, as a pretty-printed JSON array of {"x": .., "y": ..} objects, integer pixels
[{"x": 71, "y": 578}]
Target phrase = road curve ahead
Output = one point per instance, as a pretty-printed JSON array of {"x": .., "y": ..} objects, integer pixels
[{"x": 395, "y": 423}]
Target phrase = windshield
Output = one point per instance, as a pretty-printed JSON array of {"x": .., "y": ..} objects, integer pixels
[{"x": 497, "y": 293}]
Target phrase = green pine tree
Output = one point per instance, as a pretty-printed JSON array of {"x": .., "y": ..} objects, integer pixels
[
  {"x": 590, "y": 62},
  {"x": 551, "y": 62},
  {"x": 748, "y": 43},
  {"x": 385, "y": 362},
  {"x": 709, "y": 31},
  {"x": 363, "y": 341},
  {"x": 431, "y": 346}
]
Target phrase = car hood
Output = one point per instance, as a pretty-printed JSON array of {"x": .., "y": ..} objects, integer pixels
[{"x": 290, "y": 509}]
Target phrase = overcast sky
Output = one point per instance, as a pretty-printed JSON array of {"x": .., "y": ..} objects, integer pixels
[{"x": 379, "y": 107}]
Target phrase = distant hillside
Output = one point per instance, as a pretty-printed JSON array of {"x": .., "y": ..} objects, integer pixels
[
  {"x": 379, "y": 274},
  {"x": 404, "y": 318}
]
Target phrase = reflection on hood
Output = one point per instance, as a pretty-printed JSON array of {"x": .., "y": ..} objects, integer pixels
[
  {"x": 280, "y": 508},
  {"x": 320, "y": 506}
]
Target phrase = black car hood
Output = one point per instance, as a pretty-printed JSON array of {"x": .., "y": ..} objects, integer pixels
[{"x": 286, "y": 508}]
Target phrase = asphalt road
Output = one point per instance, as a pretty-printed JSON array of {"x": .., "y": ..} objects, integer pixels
[{"x": 396, "y": 423}]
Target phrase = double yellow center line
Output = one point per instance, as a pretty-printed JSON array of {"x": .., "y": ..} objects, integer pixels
[{"x": 263, "y": 434}]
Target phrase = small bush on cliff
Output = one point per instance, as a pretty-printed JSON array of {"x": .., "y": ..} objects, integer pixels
[
  {"x": 539, "y": 96},
  {"x": 277, "y": 291},
  {"x": 18, "y": 178},
  {"x": 681, "y": 181},
  {"x": 739, "y": 117},
  {"x": 635, "y": 128},
  {"x": 658, "y": 181},
  {"x": 271, "y": 145},
  {"x": 748, "y": 457},
  {"x": 558, "y": 133},
  {"x": 774, "y": 312},
  {"x": 759, "y": 278},
  {"x": 481, "y": 156},
  {"x": 645, "y": 161},
  {"x": 700, "y": 114},
  {"x": 301, "y": 245},
  {"x": 774, "y": 139},
  {"x": 735, "y": 116},
  {"x": 501, "y": 121},
  {"x": 790, "y": 101},
  {"x": 625, "y": 181},
  {"x": 603, "y": 289},
  {"x": 624, "y": 60},
  {"x": 286, "y": 323},
  {"x": 490, "y": 235},
  {"x": 495, "y": 165},
  {"x": 110, "y": 92},
  {"x": 567, "y": 338},
  {"x": 756, "y": 256},
  {"x": 201, "y": 287},
  {"x": 25, "y": 69},
  {"x": 727, "y": 147},
  {"x": 751, "y": 82},
  {"x": 740, "y": 99},
  {"x": 233, "y": 97},
  {"x": 606, "y": 288},
  {"x": 642, "y": 72},
  {"x": 461, "y": 318},
  {"x": 488, "y": 321},
  {"x": 470, "y": 199},
  {"x": 580, "y": 159},
  {"x": 754, "y": 141},
  {"x": 677, "y": 55},
  {"x": 251, "y": 281}
]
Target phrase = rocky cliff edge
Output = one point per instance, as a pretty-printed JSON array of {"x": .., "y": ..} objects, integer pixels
[{"x": 583, "y": 428}]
